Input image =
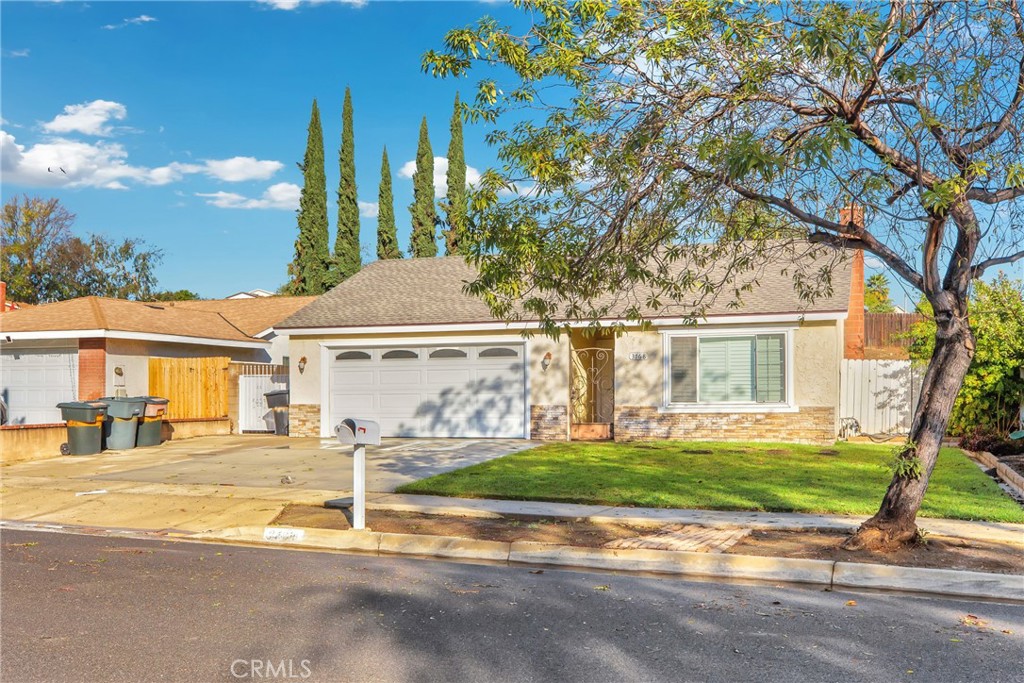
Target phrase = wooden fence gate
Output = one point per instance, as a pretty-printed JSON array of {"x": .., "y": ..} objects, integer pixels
[{"x": 195, "y": 387}]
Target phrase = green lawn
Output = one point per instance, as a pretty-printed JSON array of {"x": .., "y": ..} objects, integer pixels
[{"x": 841, "y": 479}]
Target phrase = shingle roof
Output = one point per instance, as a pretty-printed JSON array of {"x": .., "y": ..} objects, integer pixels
[
  {"x": 228, "y": 321},
  {"x": 429, "y": 291},
  {"x": 252, "y": 316}
]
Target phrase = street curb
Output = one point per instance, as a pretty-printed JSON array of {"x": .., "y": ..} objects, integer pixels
[
  {"x": 676, "y": 562},
  {"x": 964, "y": 584},
  {"x": 444, "y": 546},
  {"x": 828, "y": 573}
]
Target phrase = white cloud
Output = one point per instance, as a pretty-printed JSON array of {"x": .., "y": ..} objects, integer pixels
[
  {"x": 279, "y": 196},
  {"x": 141, "y": 19},
  {"x": 294, "y": 4},
  {"x": 89, "y": 118},
  {"x": 440, "y": 174},
  {"x": 105, "y": 164},
  {"x": 368, "y": 209},
  {"x": 237, "y": 169},
  {"x": 16, "y": 53}
]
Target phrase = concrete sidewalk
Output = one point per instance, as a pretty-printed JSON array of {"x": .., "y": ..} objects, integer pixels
[{"x": 781, "y": 521}]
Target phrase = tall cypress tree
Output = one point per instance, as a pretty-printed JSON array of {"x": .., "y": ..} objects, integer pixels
[
  {"x": 457, "y": 207},
  {"x": 424, "y": 213},
  {"x": 347, "y": 260},
  {"x": 308, "y": 271},
  {"x": 387, "y": 234}
]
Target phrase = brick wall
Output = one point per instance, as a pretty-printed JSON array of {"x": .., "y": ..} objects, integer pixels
[
  {"x": 549, "y": 423},
  {"x": 304, "y": 419},
  {"x": 808, "y": 425},
  {"x": 853, "y": 328},
  {"x": 92, "y": 369}
]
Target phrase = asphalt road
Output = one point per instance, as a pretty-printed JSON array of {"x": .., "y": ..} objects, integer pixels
[{"x": 87, "y": 608}]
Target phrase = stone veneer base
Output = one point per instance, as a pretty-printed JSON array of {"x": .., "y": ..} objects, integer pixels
[
  {"x": 304, "y": 419},
  {"x": 807, "y": 425},
  {"x": 549, "y": 423}
]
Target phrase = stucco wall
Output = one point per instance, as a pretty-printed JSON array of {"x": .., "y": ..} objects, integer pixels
[
  {"x": 638, "y": 382},
  {"x": 817, "y": 354},
  {"x": 549, "y": 387}
]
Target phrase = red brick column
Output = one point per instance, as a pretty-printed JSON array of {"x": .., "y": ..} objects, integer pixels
[
  {"x": 853, "y": 329},
  {"x": 92, "y": 369}
]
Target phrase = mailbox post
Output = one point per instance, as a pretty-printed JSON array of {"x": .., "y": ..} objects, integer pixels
[{"x": 359, "y": 434}]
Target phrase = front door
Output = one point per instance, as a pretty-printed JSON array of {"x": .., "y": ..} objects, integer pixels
[{"x": 592, "y": 394}]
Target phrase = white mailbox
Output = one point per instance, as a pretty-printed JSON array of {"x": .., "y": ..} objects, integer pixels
[{"x": 355, "y": 432}]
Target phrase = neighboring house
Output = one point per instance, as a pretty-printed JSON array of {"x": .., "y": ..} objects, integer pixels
[
  {"x": 401, "y": 343},
  {"x": 251, "y": 294},
  {"x": 90, "y": 347}
]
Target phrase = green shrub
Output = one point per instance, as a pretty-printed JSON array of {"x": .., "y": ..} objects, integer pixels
[{"x": 993, "y": 389}]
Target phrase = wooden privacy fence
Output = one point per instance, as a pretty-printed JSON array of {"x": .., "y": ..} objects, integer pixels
[
  {"x": 887, "y": 330},
  {"x": 881, "y": 395},
  {"x": 195, "y": 387}
]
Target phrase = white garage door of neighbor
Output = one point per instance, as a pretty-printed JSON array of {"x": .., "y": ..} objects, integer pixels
[
  {"x": 34, "y": 381},
  {"x": 436, "y": 391}
]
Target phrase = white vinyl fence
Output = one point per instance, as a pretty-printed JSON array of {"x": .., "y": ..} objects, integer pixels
[
  {"x": 255, "y": 380},
  {"x": 880, "y": 395}
]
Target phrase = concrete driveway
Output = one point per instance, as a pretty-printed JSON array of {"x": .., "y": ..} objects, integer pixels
[{"x": 268, "y": 462}]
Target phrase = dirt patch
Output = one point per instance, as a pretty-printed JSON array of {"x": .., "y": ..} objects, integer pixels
[
  {"x": 507, "y": 529},
  {"x": 1014, "y": 462},
  {"x": 935, "y": 553},
  {"x": 939, "y": 553}
]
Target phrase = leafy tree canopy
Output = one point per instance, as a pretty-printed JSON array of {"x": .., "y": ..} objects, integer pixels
[
  {"x": 993, "y": 389},
  {"x": 43, "y": 260},
  {"x": 627, "y": 130},
  {"x": 179, "y": 295},
  {"x": 876, "y": 295}
]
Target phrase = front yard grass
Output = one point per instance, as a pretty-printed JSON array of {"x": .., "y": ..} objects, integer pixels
[{"x": 846, "y": 479}]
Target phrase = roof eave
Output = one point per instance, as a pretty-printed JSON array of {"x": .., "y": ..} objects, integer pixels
[
  {"x": 724, "y": 319},
  {"x": 36, "y": 335}
]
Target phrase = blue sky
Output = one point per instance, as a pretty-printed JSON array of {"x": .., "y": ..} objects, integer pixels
[{"x": 182, "y": 122}]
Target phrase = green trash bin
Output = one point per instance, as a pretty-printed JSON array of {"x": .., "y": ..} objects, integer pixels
[
  {"x": 85, "y": 426},
  {"x": 122, "y": 423},
  {"x": 151, "y": 421}
]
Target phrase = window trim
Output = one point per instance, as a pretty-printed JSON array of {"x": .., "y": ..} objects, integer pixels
[{"x": 667, "y": 406}]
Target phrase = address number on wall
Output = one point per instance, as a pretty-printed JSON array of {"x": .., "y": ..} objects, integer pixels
[{"x": 638, "y": 355}]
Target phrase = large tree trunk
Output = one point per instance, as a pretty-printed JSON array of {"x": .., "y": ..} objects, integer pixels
[{"x": 894, "y": 524}]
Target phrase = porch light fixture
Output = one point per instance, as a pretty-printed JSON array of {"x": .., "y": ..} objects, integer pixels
[
  {"x": 302, "y": 365},
  {"x": 545, "y": 362}
]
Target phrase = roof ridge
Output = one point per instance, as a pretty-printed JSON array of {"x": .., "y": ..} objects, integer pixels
[{"x": 98, "y": 311}]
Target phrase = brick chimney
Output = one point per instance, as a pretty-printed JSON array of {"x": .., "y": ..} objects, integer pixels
[
  {"x": 853, "y": 328},
  {"x": 3, "y": 297}
]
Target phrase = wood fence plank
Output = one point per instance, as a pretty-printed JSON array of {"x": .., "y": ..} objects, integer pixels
[{"x": 195, "y": 387}]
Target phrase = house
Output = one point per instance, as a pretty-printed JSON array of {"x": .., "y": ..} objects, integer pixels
[
  {"x": 401, "y": 343},
  {"x": 85, "y": 348},
  {"x": 251, "y": 294}
]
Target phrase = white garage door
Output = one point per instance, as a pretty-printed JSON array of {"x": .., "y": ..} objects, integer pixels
[
  {"x": 437, "y": 391},
  {"x": 34, "y": 381}
]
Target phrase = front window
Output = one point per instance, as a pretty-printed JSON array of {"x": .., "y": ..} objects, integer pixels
[{"x": 727, "y": 369}]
